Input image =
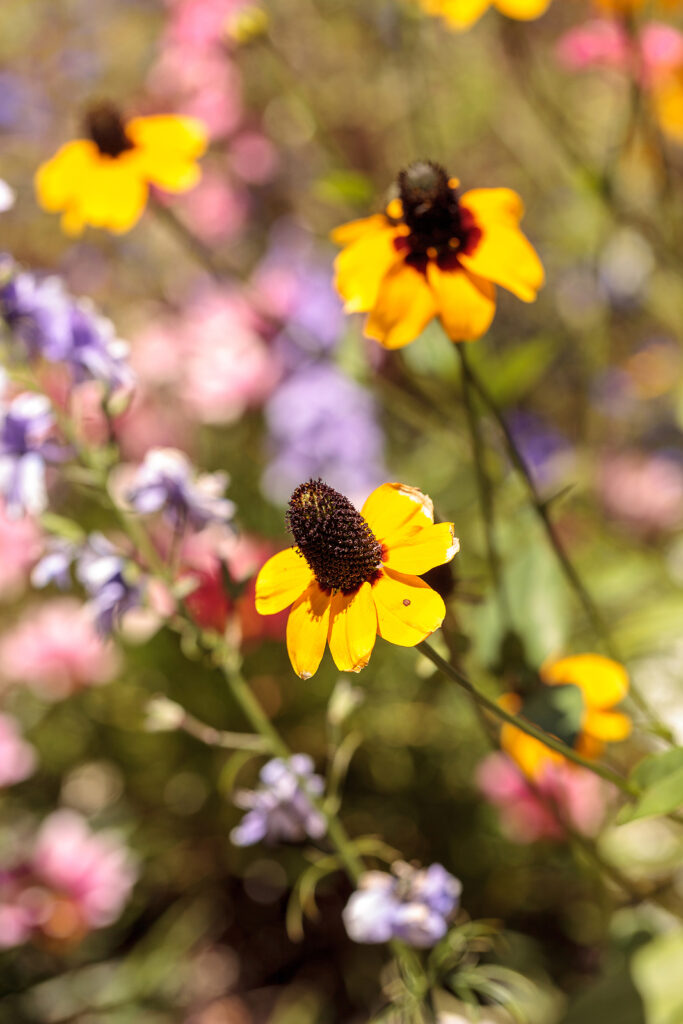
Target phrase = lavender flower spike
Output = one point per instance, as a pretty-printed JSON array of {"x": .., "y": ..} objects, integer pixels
[
  {"x": 280, "y": 810},
  {"x": 410, "y": 904},
  {"x": 25, "y": 423},
  {"x": 166, "y": 481}
]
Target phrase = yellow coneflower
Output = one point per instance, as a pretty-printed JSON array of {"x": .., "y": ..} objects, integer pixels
[
  {"x": 601, "y": 684},
  {"x": 353, "y": 576},
  {"x": 103, "y": 180},
  {"x": 461, "y": 14},
  {"x": 432, "y": 253}
]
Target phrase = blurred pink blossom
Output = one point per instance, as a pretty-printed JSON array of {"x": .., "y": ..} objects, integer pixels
[
  {"x": 216, "y": 210},
  {"x": 56, "y": 651},
  {"x": 200, "y": 84},
  {"x": 644, "y": 492},
  {"x": 72, "y": 881},
  {"x": 201, "y": 24},
  {"x": 152, "y": 422},
  {"x": 215, "y": 360},
  {"x": 20, "y": 548},
  {"x": 95, "y": 870},
  {"x": 17, "y": 757},
  {"x": 253, "y": 157},
  {"x": 529, "y": 813},
  {"x": 605, "y": 43}
]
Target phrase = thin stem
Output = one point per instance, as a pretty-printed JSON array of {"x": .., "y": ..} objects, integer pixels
[
  {"x": 193, "y": 245},
  {"x": 528, "y": 727},
  {"x": 484, "y": 487},
  {"x": 572, "y": 576}
]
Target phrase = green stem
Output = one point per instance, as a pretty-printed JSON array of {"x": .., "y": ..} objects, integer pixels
[
  {"x": 484, "y": 487},
  {"x": 529, "y": 728},
  {"x": 573, "y": 578}
]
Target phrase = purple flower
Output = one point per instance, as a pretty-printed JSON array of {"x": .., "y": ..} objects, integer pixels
[
  {"x": 104, "y": 574},
  {"x": 25, "y": 423},
  {"x": 280, "y": 810},
  {"x": 322, "y": 424},
  {"x": 55, "y": 564},
  {"x": 410, "y": 904},
  {"x": 166, "y": 481},
  {"x": 37, "y": 311},
  {"x": 55, "y": 326}
]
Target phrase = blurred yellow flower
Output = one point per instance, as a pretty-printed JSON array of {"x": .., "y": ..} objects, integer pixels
[
  {"x": 104, "y": 180},
  {"x": 435, "y": 253},
  {"x": 667, "y": 97},
  {"x": 602, "y": 683},
  {"x": 461, "y": 14},
  {"x": 354, "y": 576}
]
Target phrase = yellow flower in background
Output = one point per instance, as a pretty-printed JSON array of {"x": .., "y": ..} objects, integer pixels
[
  {"x": 435, "y": 253},
  {"x": 667, "y": 98},
  {"x": 104, "y": 180},
  {"x": 624, "y": 6},
  {"x": 462, "y": 14},
  {"x": 353, "y": 576},
  {"x": 601, "y": 684}
]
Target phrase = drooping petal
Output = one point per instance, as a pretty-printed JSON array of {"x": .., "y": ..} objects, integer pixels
[
  {"x": 608, "y": 726},
  {"x": 602, "y": 681},
  {"x": 419, "y": 550},
  {"x": 394, "y": 509},
  {"x": 353, "y": 629},
  {"x": 466, "y": 303},
  {"x": 307, "y": 628},
  {"x": 111, "y": 194},
  {"x": 530, "y": 754},
  {"x": 408, "y": 610},
  {"x": 503, "y": 254},
  {"x": 355, "y": 229},
  {"x": 405, "y": 305},
  {"x": 281, "y": 580},
  {"x": 523, "y": 10},
  {"x": 362, "y": 265}
]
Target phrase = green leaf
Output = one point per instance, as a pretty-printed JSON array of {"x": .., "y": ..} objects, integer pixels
[
  {"x": 661, "y": 777},
  {"x": 513, "y": 373},
  {"x": 343, "y": 187},
  {"x": 60, "y": 526}
]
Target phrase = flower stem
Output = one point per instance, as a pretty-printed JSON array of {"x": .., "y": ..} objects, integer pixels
[
  {"x": 571, "y": 574},
  {"x": 484, "y": 486},
  {"x": 529, "y": 728}
]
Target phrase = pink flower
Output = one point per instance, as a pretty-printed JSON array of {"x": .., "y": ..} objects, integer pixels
[
  {"x": 94, "y": 870},
  {"x": 212, "y": 357},
  {"x": 55, "y": 649},
  {"x": 528, "y": 813},
  {"x": 216, "y": 210},
  {"x": 644, "y": 492},
  {"x": 605, "y": 43},
  {"x": 253, "y": 157},
  {"x": 20, "y": 548},
  {"x": 201, "y": 24},
  {"x": 17, "y": 757}
]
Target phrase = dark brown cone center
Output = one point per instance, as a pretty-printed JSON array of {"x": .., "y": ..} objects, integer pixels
[{"x": 104, "y": 125}]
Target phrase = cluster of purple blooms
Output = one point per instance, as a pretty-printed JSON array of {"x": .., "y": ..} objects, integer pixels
[
  {"x": 280, "y": 810},
  {"x": 411, "y": 904},
  {"x": 106, "y": 577},
  {"x": 321, "y": 423},
  {"x": 53, "y": 325}
]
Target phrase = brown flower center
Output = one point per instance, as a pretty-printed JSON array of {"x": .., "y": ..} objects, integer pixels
[
  {"x": 333, "y": 537},
  {"x": 105, "y": 127},
  {"x": 440, "y": 228}
]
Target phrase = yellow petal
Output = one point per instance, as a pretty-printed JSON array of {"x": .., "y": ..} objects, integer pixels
[
  {"x": 393, "y": 510},
  {"x": 112, "y": 194},
  {"x": 59, "y": 179},
  {"x": 466, "y": 303},
  {"x": 362, "y": 265},
  {"x": 353, "y": 629},
  {"x": 502, "y": 205},
  {"x": 503, "y": 254},
  {"x": 602, "y": 681},
  {"x": 405, "y": 305},
  {"x": 281, "y": 580},
  {"x": 529, "y": 753},
  {"x": 459, "y": 14},
  {"x": 350, "y": 232},
  {"x": 408, "y": 610},
  {"x": 607, "y": 726},
  {"x": 524, "y": 10},
  {"x": 167, "y": 150},
  {"x": 307, "y": 628},
  {"x": 420, "y": 549}
]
